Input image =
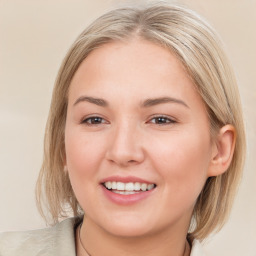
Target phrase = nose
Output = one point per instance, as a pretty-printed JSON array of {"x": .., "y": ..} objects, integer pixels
[{"x": 125, "y": 146}]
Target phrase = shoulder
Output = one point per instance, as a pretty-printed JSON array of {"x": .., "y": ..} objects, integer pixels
[
  {"x": 57, "y": 240},
  {"x": 197, "y": 249}
]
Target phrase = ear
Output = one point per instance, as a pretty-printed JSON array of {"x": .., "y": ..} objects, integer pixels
[{"x": 223, "y": 150}]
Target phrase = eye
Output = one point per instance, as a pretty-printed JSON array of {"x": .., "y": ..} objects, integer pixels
[
  {"x": 94, "y": 120},
  {"x": 162, "y": 120}
]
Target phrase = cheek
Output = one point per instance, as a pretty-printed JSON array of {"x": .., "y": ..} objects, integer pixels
[
  {"x": 182, "y": 161},
  {"x": 80, "y": 151},
  {"x": 83, "y": 158}
]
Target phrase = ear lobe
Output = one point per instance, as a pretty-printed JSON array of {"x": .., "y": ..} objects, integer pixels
[{"x": 223, "y": 151}]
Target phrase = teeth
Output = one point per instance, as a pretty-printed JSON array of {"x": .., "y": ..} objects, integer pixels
[
  {"x": 120, "y": 186},
  {"x": 136, "y": 186},
  {"x": 108, "y": 184},
  {"x": 125, "y": 192},
  {"x": 113, "y": 184},
  {"x": 127, "y": 188},
  {"x": 149, "y": 187},
  {"x": 144, "y": 187}
]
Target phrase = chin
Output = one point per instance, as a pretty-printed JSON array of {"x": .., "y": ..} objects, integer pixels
[
  {"x": 127, "y": 227},
  {"x": 128, "y": 232}
]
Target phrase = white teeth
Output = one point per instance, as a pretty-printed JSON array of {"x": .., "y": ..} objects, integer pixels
[
  {"x": 113, "y": 185},
  {"x": 127, "y": 188},
  {"x": 144, "y": 187},
  {"x": 136, "y": 186},
  {"x": 120, "y": 186},
  {"x": 149, "y": 187},
  {"x": 125, "y": 192},
  {"x": 108, "y": 184}
]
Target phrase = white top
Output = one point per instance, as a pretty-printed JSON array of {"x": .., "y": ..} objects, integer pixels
[
  {"x": 54, "y": 241},
  {"x": 197, "y": 249}
]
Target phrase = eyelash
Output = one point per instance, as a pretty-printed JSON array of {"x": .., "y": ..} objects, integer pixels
[
  {"x": 164, "y": 120},
  {"x": 86, "y": 121},
  {"x": 167, "y": 120}
]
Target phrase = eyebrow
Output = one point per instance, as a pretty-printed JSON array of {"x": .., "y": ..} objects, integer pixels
[
  {"x": 147, "y": 103},
  {"x": 156, "y": 101},
  {"x": 96, "y": 101}
]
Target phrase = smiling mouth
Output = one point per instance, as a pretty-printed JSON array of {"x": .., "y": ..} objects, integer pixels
[{"x": 128, "y": 188}]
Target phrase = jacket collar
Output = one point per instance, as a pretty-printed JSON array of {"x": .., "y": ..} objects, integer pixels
[{"x": 65, "y": 239}]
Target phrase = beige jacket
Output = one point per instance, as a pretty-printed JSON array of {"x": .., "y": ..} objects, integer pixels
[{"x": 58, "y": 240}]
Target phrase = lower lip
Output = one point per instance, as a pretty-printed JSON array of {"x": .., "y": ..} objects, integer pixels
[{"x": 126, "y": 199}]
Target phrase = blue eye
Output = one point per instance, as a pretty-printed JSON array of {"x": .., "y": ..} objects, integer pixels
[
  {"x": 94, "y": 120},
  {"x": 162, "y": 120}
]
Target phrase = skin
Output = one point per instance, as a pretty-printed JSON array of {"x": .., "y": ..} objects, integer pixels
[{"x": 176, "y": 152}]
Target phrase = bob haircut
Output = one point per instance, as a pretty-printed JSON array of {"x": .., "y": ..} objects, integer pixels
[{"x": 198, "y": 48}]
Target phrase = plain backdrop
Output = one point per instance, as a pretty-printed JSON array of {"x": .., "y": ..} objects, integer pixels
[{"x": 34, "y": 37}]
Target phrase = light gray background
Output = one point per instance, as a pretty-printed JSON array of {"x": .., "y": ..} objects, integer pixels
[{"x": 34, "y": 37}]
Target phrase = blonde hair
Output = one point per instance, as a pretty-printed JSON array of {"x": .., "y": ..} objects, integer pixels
[{"x": 197, "y": 46}]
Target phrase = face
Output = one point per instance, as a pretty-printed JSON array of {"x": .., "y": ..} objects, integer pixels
[{"x": 138, "y": 147}]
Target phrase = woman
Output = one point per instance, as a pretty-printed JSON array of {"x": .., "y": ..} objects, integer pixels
[{"x": 145, "y": 139}]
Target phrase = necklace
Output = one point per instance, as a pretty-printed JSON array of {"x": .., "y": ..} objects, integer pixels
[
  {"x": 80, "y": 241},
  {"x": 185, "y": 249}
]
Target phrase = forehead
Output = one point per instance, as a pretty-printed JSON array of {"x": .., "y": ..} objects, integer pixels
[{"x": 137, "y": 68}]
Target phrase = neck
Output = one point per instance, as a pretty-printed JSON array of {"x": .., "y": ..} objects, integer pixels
[{"x": 163, "y": 243}]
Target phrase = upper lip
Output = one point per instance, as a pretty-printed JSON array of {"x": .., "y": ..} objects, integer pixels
[{"x": 126, "y": 179}]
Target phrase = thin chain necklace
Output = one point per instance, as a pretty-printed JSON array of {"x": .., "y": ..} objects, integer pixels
[
  {"x": 81, "y": 240},
  {"x": 185, "y": 250}
]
